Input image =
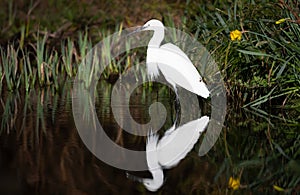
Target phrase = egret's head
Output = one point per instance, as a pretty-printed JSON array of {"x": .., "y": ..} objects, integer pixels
[
  {"x": 152, "y": 23},
  {"x": 159, "y": 32},
  {"x": 152, "y": 185},
  {"x": 157, "y": 181}
]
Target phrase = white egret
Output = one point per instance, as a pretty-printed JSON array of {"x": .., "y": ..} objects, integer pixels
[
  {"x": 173, "y": 63},
  {"x": 170, "y": 150}
]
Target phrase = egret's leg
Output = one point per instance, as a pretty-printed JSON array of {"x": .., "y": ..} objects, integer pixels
[
  {"x": 177, "y": 102},
  {"x": 133, "y": 177},
  {"x": 172, "y": 113},
  {"x": 201, "y": 103}
]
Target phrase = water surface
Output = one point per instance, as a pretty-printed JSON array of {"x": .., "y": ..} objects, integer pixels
[{"x": 42, "y": 153}]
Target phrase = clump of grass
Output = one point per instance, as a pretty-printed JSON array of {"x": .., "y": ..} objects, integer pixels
[
  {"x": 10, "y": 65},
  {"x": 21, "y": 68},
  {"x": 264, "y": 66},
  {"x": 41, "y": 65}
]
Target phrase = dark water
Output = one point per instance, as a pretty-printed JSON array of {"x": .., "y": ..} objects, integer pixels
[{"x": 42, "y": 153}]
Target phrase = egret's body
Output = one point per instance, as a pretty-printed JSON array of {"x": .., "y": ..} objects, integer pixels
[
  {"x": 173, "y": 63},
  {"x": 176, "y": 144},
  {"x": 170, "y": 149}
]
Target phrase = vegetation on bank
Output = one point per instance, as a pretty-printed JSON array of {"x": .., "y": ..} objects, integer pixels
[{"x": 262, "y": 65}]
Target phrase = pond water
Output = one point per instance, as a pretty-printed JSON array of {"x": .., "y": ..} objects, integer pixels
[{"x": 41, "y": 151}]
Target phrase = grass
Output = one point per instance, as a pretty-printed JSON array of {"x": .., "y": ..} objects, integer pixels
[
  {"x": 266, "y": 59},
  {"x": 268, "y": 151}
]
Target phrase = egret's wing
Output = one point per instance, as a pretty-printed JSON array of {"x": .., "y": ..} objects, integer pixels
[
  {"x": 177, "y": 68},
  {"x": 175, "y": 146},
  {"x": 174, "y": 48}
]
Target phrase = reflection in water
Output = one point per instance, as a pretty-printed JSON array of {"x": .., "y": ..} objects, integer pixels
[
  {"x": 42, "y": 153},
  {"x": 170, "y": 149}
]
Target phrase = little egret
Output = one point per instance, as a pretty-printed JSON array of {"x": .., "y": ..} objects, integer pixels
[
  {"x": 170, "y": 150},
  {"x": 173, "y": 63}
]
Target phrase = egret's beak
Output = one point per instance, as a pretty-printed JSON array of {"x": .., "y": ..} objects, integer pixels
[
  {"x": 142, "y": 28},
  {"x": 139, "y": 29},
  {"x": 134, "y": 178}
]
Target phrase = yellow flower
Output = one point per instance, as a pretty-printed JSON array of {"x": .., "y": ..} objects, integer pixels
[
  {"x": 280, "y": 21},
  {"x": 234, "y": 183},
  {"x": 280, "y": 189},
  {"x": 236, "y": 34}
]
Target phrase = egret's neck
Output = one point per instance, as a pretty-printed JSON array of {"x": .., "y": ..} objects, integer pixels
[
  {"x": 158, "y": 175},
  {"x": 158, "y": 179},
  {"x": 153, "y": 164},
  {"x": 157, "y": 37}
]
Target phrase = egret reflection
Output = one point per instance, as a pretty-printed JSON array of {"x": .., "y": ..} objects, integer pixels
[{"x": 167, "y": 152}]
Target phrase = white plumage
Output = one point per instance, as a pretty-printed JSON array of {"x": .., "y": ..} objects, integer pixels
[
  {"x": 172, "y": 62},
  {"x": 170, "y": 149}
]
